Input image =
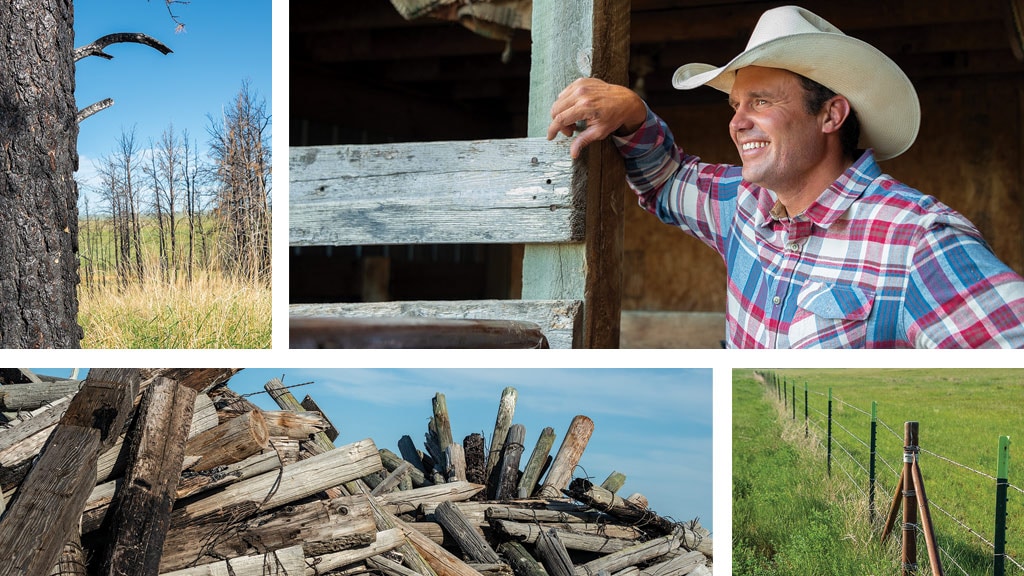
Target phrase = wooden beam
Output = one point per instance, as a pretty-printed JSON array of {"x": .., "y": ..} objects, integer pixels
[
  {"x": 606, "y": 188},
  {"x": 592, "y": 270},
  {"x": 503, "y": 191},
  {"x": 142, "y": 505},
  {"x": 63, "y": 476},
  {"x": 558, "y": 319}
]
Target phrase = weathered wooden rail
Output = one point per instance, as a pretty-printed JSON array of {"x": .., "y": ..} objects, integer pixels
[{"x": 518, "y": 191}]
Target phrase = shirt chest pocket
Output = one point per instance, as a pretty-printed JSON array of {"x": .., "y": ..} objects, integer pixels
[{"x": 830, "y": 315}]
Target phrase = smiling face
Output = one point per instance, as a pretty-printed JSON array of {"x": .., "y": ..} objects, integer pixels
[{"x": 782, "y": 146}]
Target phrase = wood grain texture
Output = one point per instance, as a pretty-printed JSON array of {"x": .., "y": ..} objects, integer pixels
[
  {"x": 64, "y": 474},
  {"x": 558, "y": 319},
  {"x": 142, "y": 505},
  {"x": 499, "y": 191},
  {"x": 568, "y": 456}
]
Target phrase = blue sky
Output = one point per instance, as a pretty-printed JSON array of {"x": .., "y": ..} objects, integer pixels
[
  {"x": 223, "y": 43},
  {"x": 653, "y": 425}
]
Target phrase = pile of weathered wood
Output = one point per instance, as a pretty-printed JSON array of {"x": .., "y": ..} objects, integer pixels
[{"x": 169, "y": 471}]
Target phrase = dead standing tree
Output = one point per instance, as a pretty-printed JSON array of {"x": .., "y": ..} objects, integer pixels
[
  {"x": 241, "y": 152},
  {"x": 38, "y": 158}
]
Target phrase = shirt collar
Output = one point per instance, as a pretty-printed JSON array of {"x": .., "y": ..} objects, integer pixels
[{"x": 833, "y": 202}]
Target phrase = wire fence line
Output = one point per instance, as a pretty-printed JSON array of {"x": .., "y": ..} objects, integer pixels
[{"x": 822, "y": 422}]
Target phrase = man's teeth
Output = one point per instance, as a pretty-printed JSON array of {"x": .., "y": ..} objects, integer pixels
[{"x": 753, "y": 145}]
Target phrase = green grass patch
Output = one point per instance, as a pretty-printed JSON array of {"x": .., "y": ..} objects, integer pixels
[
  {"x": 961, "y": 414},
  {"x": 789, "y": 517}
]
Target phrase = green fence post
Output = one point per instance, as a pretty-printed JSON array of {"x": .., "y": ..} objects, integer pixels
[
  {"x": 1002, "y": 481},
  {"x": 830, "y": 431},
  {"x": 806, "y": 421},
  {"x": 871, "y": 465}
]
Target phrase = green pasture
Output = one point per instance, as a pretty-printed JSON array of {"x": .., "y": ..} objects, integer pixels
[
  {"x": 961, "y": 415},
  {"x": 789, "y": 518}
]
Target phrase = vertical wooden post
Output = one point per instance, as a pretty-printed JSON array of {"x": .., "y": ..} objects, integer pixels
[
  {"x": 871, "y": 464},
  {"x": 793, "y": 395},
  {"x": 539, "y": 456},
  {"x": 569, "y": 453},
  {"x": 439, "y": 434},
  {"x": 592, "y": 271},
  {"x": 141, "y": 509},
  {"x": 506, "y": 410},
  {"x": 1002, "y": 481},
  {"x": 507, "y": 470},
  {"x": 909, "y": 559}
]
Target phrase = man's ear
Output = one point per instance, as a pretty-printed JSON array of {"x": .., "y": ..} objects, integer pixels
[{"x": 835, "y": 113}]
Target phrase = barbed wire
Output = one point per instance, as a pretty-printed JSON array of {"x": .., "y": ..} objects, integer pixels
[
  {"x": 852, "y": 435},
  {"x": 847, "y": 452},
  {"x": 1012, "y": 561},
  {"x": 953, "y": 560},
  {"x": 896, "y": 434},
  {"x": 955, "y": 463},
  {"x": 962, "y": 524},
  {"x": 818, "y": 427},
  {"x": 844, "y": 403}
]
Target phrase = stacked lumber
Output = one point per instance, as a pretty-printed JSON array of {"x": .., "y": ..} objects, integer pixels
[{"x": 169, "y": 471}]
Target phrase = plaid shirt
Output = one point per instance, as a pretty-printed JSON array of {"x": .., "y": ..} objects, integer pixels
[{"x": 872, "y": 263}]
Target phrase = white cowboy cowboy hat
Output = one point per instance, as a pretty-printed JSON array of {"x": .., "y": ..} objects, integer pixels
[{"x": 797, "y": 40}]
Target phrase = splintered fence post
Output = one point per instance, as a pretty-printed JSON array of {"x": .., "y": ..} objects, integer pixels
[
  {"x": 439, "y": 434},
  {"x": 910, "y": 449},
  {"x": 871, "y": 463},
  {"x": 502, "y": 422},
  {"x": 830, "y": 431},
  {"x": 568, "y": 456},
  {"x": 1002, "y": 481},
  {"x": 537, "y": 462}
]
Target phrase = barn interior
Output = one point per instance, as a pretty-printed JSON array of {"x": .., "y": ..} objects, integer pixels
[{"x": 360, "y": 73}]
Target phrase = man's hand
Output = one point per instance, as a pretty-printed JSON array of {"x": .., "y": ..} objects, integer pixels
[{"x": 605, "y": 108}]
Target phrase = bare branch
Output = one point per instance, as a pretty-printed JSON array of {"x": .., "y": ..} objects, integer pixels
[
  {"x": 180, "y": 26},
  {"x": 96, "y": 48},
  {"x": 93, "y": 108}
]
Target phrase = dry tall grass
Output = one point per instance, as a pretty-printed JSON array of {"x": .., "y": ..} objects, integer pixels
[{"x": 213, "y": 311}]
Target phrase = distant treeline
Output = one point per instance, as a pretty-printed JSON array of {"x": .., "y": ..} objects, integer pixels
[{"x": 169, "y": 211}]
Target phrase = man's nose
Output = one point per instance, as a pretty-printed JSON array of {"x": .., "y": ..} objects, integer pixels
[{"x": 740, "y": 120}]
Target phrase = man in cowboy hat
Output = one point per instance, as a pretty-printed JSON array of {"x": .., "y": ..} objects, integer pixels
[{"x": 822, "y": 249}]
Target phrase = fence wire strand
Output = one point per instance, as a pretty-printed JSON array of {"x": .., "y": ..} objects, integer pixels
[
  {"x": 955, "y": 463},
  {"x": 817, "y": 424}
]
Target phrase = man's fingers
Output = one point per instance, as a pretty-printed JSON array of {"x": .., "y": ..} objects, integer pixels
[{"x": 582, "y": 140}]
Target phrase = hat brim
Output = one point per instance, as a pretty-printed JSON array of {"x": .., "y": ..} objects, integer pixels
[{"x": 878, "y": 90}]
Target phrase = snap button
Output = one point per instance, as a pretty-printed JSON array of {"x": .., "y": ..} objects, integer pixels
[
  {"x": 794, "y": 247},
  {"x": 777, "y": 300}
]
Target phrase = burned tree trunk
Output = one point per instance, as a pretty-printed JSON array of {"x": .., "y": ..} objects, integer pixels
[{"x": 38, "y": 195}]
